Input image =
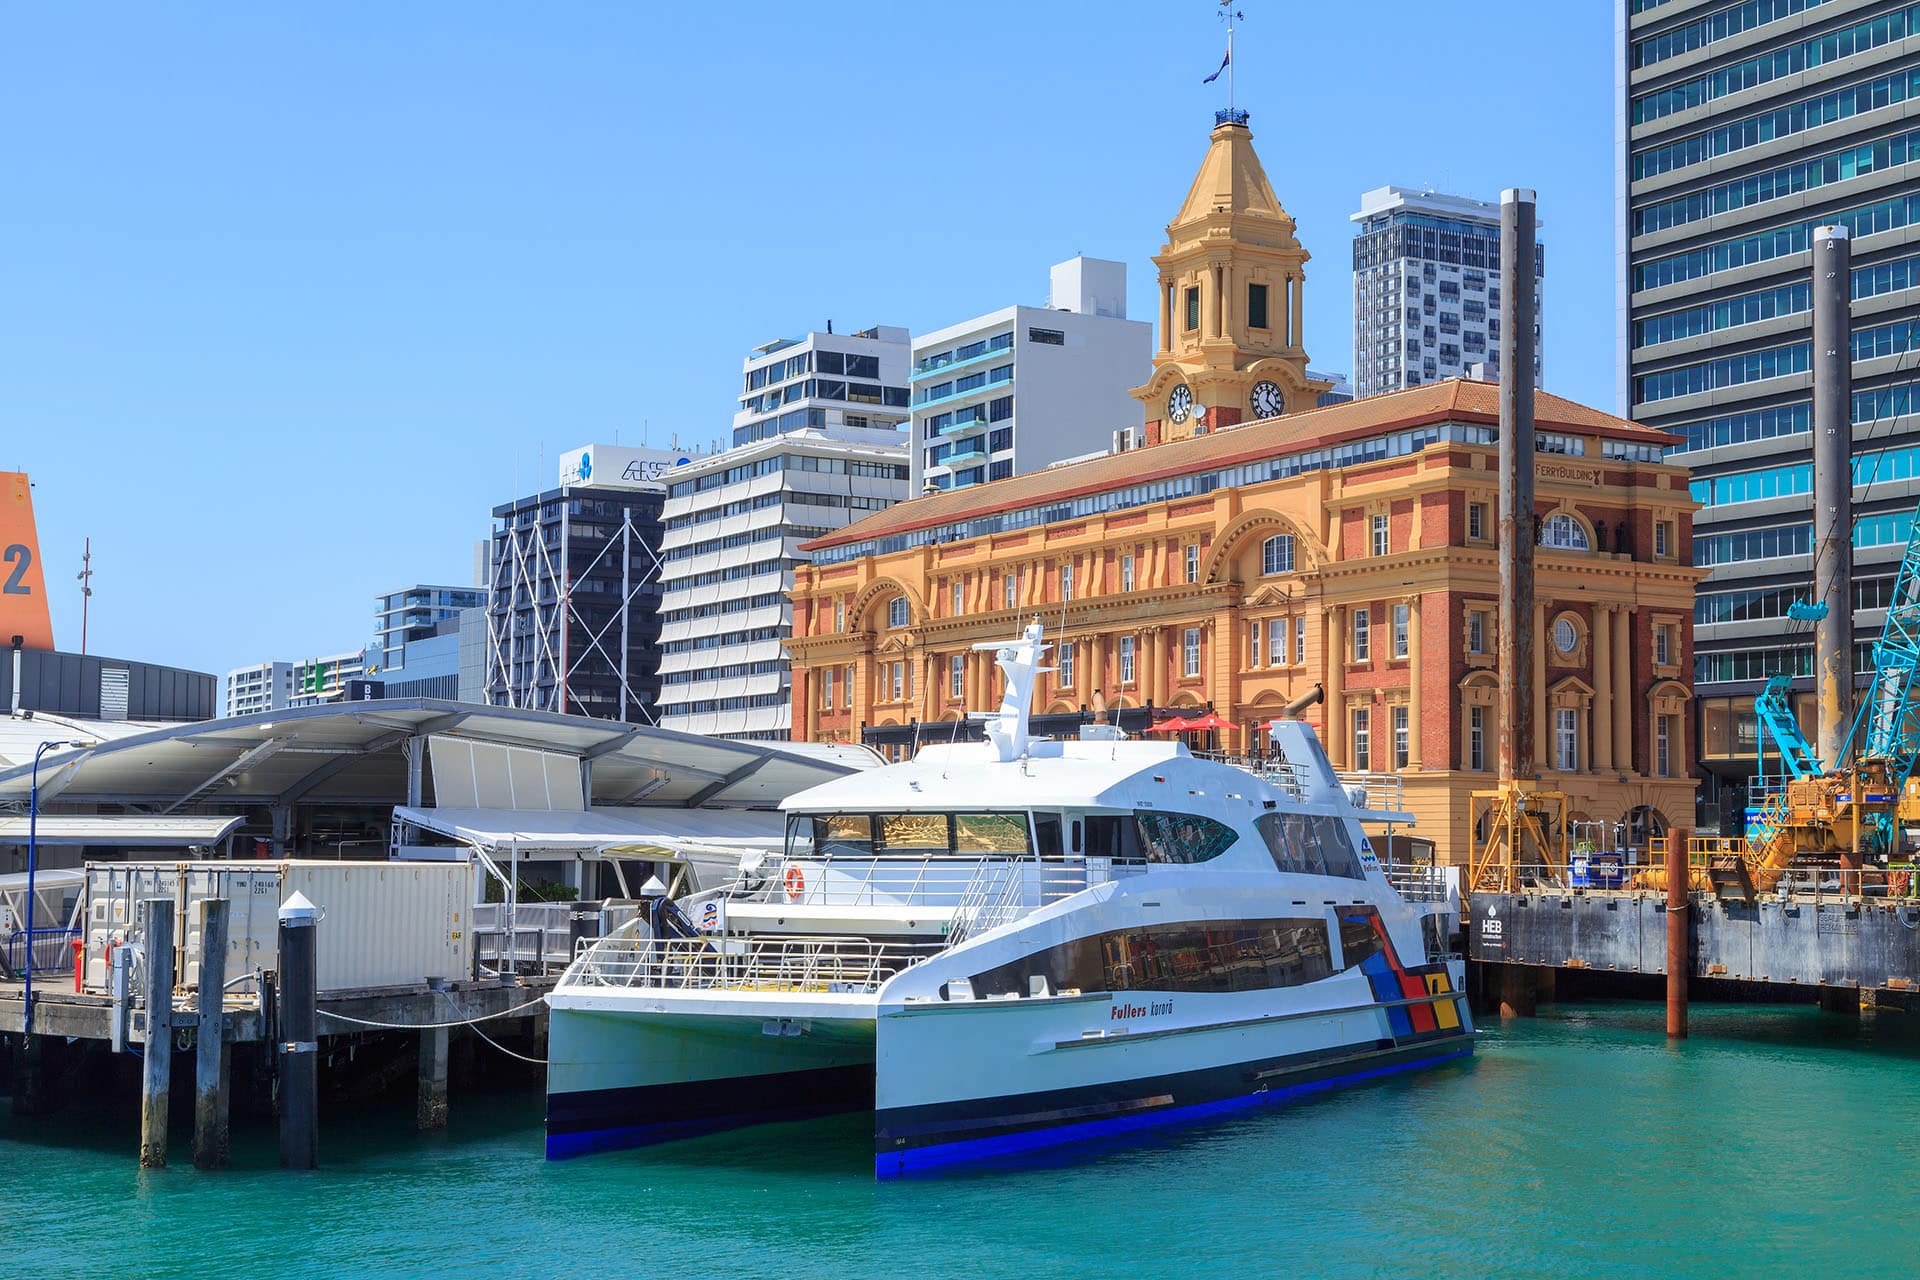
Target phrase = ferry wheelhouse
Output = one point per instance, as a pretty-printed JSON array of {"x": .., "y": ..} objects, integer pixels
[{"x": 1008, "y": 944}]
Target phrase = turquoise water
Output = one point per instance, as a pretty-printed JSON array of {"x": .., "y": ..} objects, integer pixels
[{"x": 1578, "y": 1144}]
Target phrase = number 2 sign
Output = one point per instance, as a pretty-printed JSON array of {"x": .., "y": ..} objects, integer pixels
[{"x": 23, "y": 589}]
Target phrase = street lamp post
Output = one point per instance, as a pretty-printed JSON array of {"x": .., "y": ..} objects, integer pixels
[{"x": 33, "y": 866}]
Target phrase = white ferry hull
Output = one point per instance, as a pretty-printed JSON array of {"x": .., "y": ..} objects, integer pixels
[
  {"x": 622, "y": 1075},
  {"x": 1093, "y": 1066}
]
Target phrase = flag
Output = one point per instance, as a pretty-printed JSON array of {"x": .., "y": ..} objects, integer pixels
[{"x": 1223, "y": 66}]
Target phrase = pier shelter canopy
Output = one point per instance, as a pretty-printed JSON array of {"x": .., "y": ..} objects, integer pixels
[{"x": 325, "y": 781}]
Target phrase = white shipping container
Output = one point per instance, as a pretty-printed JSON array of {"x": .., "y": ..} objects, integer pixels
[{"x": 382, "y": 924}]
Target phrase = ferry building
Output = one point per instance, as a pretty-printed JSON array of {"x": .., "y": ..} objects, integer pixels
[{"x": 1254, "y": 547}]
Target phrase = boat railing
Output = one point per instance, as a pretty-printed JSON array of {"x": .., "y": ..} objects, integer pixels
[
  {"x": 1378, "y": 792},
  {"x": 961, "y": 885},
  {"x": 775, "y": 963},
  {"x": 1421, "y": 882}
]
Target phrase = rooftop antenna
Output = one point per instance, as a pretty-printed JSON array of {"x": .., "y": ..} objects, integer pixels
[{"x": 86, "y": 591}]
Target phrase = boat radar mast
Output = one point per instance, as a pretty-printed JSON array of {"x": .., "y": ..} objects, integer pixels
[{"x": 1007, "y": 728}]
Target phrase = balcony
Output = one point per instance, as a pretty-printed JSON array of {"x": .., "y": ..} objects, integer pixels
[{"x": 937, "y": 365}]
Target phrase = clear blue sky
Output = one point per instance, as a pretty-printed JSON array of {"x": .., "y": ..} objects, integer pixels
[{"x": 294, "y": 294}]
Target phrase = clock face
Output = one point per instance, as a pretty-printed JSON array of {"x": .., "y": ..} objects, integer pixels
[
  {"x": 1267, "y": 400},
  {"x": 1179, "y": 404}
]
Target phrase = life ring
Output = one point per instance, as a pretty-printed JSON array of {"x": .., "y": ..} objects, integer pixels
[{"x": 796, "y": 880}]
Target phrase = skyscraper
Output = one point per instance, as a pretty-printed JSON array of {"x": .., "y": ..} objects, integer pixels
[
  {"x": 573, "y": 605},
  {"x": 1740, "y": 128},
  {"x": 1426, "y": 289},
  {"x": 734, "y": 524}
]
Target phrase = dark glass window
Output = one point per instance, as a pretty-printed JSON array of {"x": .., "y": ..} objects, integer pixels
[
  {"x": 1000, "y": 470},
  {"x": 1047, "y": 337},
  {"x": 1359, "y": 935},
  {"x": 1193, "y": 308},
  {"x": 1223, "y": 955},
  {"x": 831, "y": 389},
  {"x": 863, "y": 366},
  {"x": 1046, "y": 833},
  {"x": 1000, "y": 409},
  {"x": 1182, "y": 837},
  {"x": 1310, "y": 844},
  {"x": 1256, "y": 306},
  {"x": 1113, "y": 835},
  {"x": 863, "y": 392},
  {"x": 829, "y": 362},
  {"x": 895, "y": 397}
]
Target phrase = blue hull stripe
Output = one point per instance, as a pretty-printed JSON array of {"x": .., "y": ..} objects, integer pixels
[{"x": 894, "y": 1164}]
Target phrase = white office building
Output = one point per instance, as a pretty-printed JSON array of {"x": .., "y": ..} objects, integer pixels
[
  {"x": 1066, "y": 370},
  {"x": 734, "y": 523},
  {"x": 823, "y": 380},
  {"x": 264, "y": 686},
  {"x": 274, "y": 686},
  {"x": 1426, "y": 289}
]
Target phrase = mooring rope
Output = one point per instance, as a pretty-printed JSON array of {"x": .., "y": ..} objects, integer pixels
[{"x": 425, "y": 1026}]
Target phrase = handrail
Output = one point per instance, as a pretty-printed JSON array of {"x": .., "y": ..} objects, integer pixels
[{"x": 776, "y": 963}]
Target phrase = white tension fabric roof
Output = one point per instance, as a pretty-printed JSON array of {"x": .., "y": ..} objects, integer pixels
[
  {"x": 125, "y": 831},
  {"x": 356, "y": 753}
]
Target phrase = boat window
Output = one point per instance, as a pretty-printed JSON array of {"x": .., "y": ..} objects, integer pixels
[
  {"x": 1046, "y": 834},
  {"x": 1113, "y": 835},
  {"x": 912, "y": 833},
  {"x": 1360, "y": 935},
  {"x": 1002, "y": 833},
  {"x": 1311, "y": 844},
  {"x": 1223, "y": 955},
  {"x": 1075, "y": 846},
  {"x": 1182, "y": 837},
  {"x": 907, "y": 835}
]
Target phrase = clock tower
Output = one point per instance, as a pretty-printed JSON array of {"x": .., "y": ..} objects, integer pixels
[{"x": 1231, "y": 277}]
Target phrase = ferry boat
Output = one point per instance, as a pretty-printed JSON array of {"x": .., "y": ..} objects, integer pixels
[{"x": 1007, "y": 944}]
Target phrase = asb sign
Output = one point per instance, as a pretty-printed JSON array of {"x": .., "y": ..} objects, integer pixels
[
  {"x": 23, "y": 590},
  {"x": 607, "y": 466}
]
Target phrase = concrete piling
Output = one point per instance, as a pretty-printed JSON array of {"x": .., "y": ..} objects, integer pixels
[
  {"x": 212, "y": 1054},
  {"x": 1833, "y": 491},
  {"x": 156, "y": 1075},
  {"x": 430, "y": 1111},
  {"x": 299, "y": 1038},
  {"x": 1679, "y": 895}
]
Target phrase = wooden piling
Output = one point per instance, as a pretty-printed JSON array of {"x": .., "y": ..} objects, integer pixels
[
  {"x": 211, "y": 1058},
  {"x": 1678, "y": 918},
  {"x": 430, "y": 1112},
  {"x": 299, "y": 1039},
  {"x": 157, "y": 1053}
]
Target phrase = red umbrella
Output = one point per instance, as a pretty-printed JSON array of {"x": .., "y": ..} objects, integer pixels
[
  {"x": 1207, "y": 721},
  {"x": 1175, "y": 725}
]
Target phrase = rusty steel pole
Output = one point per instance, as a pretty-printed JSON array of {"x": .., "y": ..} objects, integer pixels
[
  {"x": 1516, "y": 485},
  {"x": 1833, "y": 490},
  {"x": 1678, "y": 912}
]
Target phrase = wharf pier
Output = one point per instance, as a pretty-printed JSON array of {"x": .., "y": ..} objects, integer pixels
[{"x": 1848, "y": 938}]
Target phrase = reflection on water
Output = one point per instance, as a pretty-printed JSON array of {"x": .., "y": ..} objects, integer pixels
[{"x": 1577, "y": 1144}]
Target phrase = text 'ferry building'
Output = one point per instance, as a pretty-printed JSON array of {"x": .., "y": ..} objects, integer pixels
[{"x": 1254, "y": 547}]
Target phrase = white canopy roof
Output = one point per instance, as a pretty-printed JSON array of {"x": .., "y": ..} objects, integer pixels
[
  {"x": 354, "y": 753},
  {"x": 131, "y": 831}
]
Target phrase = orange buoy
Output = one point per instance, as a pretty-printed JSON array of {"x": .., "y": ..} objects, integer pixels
[{"x": 796, "y": 884}]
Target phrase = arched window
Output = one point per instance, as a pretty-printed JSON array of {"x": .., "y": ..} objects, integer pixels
[
  {"x": 897, "y": 612},
  {"x": 1276, "y": 554},
  {"x": 1564, "y": 533}
]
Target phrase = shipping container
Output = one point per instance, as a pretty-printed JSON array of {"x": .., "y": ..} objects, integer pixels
[{"x": 382, "y": 924}]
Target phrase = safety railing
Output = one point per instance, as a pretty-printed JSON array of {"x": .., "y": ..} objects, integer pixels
[
  {"x": 1381, "y": 792},
  {"x": 1421, "y": 882},
  {"x": 760, "y": 962},
  {"x": 532, "y": 936},
  {"x": 934, "y": 883},
  {"x": 51, "y": 950}
]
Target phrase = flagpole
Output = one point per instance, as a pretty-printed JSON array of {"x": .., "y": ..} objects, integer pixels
[{"x": 1229, "y": 60}]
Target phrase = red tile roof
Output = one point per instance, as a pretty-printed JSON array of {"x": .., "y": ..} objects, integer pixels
[{"x": 1454, "y": 400}]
